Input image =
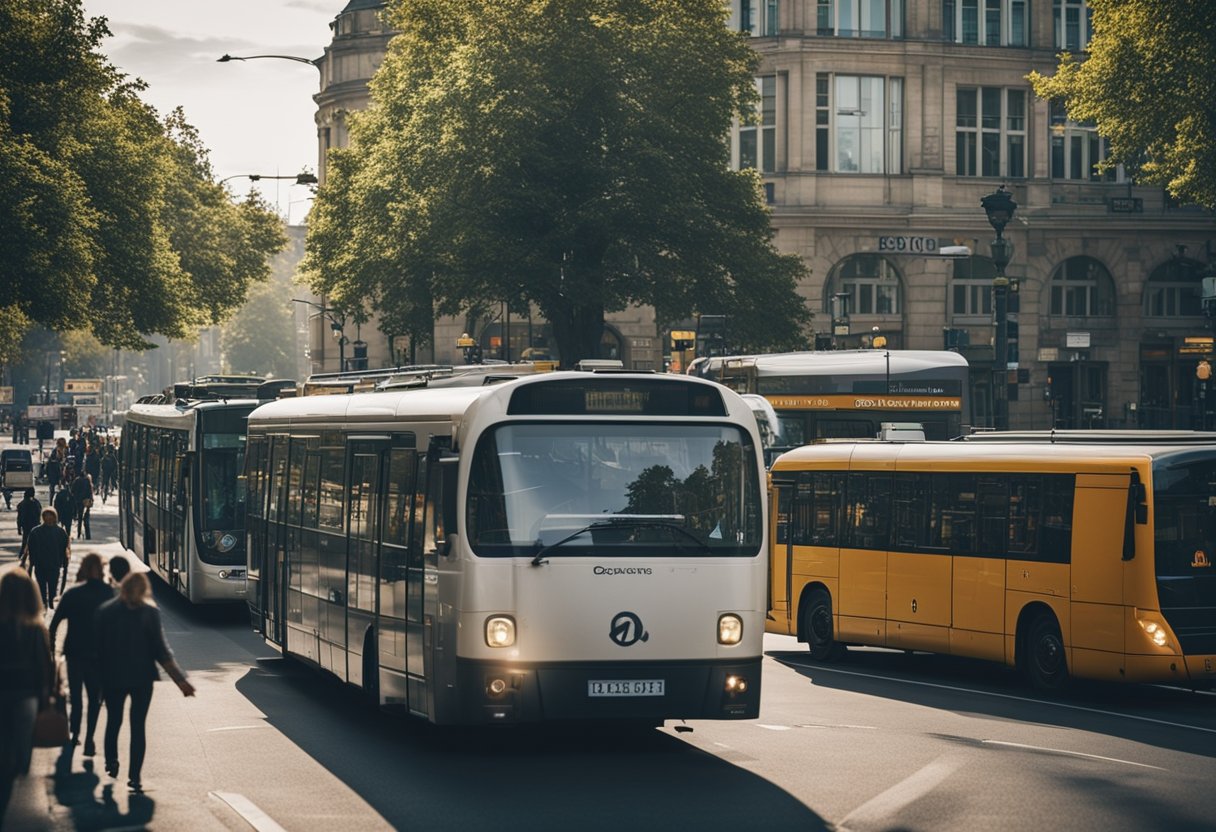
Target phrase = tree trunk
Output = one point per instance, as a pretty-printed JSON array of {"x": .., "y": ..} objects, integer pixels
[{"x": 577, "y": 330}]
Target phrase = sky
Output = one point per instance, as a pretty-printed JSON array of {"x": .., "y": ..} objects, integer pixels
[{"x": 253, "y": 116}]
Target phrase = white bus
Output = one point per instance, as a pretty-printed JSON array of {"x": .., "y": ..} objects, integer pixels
[
  {"x": 563, "y": 546},
  {"x": 181, "y": 499}
]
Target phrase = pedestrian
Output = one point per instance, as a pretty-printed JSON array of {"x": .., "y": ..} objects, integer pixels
[
  {"x": 109, "y": 470},
  {"x": 48, "y": 550},
  {"x": 26, "y": 676},
  {"x": 130, "y": 642},
  {"x": 17, "y": 429},
  {"x": 92, "y": 463},
  {"x": 119, "y": 567},
  {"x": 29, "y": 514},
  {"x": 82, "y": 499},
  {"x": 65, "y": 506},
  {"x": 53, "y": 468},
  {"x": 78, "y": 607}
]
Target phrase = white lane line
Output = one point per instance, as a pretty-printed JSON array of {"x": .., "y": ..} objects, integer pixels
[
  {"x": 237, "y": 728},
  {"x": 246, "y": 808},
  {"x": 1069, "y": 753},
  {"x": 839, "y": 725},
  {"x": 773, "y": 727},
  {"x": 1187, "y": 690},
  {"x": 883, "y": 806},
  {"x": 1012, "y": 697}
]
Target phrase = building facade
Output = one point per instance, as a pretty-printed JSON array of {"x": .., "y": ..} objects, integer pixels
[
  {"x": 360, "y": 40},
  {"x": 881, "y": 125}
]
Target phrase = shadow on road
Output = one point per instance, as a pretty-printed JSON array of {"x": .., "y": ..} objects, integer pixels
[
  {"x": 75, "y": 790},
  {"x": 542, "y": 777},
  {"x": 1138, "y": 713}
]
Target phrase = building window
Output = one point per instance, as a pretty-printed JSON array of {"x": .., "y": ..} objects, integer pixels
[
  {"x": 1175, "y": 290},
  {"x": 871, "y": 282},
  {"x": 1077, "y": 149},
  {"x": 986, "y": 22},
  {"x": 971, "y": 287},
  {"x": 1074, "y": 24},
  {"x": 990, "y": 138},
  {"x": 758, "y": 142},
  {"x": 860, "y": 18},
  {"x": 758, "y": 18},
  {"x": 1081, "y": 287},
  {"x": 863, "y": 126}
]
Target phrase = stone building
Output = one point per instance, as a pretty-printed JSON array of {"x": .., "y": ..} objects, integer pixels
[
  {"x": 881, "y": 125},
  {"x": 360, "y": 40}
]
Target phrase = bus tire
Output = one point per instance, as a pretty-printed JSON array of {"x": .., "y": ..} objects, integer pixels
[
  {"x": 371, "y": 670},
  {"x": 1044, "y": 662},
  {"x": 818, "y": 627}
]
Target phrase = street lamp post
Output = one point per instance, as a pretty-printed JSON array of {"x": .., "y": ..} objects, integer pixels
[
  {"x": 999, "y": 206},
  {"x": 336, "y": 326},
  {"x": 225, "y": 58},
  {"x": 300, "y": 178}
]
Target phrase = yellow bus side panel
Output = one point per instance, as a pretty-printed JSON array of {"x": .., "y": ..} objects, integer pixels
[
  {"x": 990, "y": 646},
  {"x": 979, "y": 595},
  {"x": 918, "y": 588},
  {"x": 1153, "y": 669},
  {"x": 854, "y": 630},
  {"x": 1202, "y": 668},
  {"x": 1036, "y": 578},
  {"x": 817, "y": 561},
  {"x": 908, "y": 636},
  {"x": 1098, "y": 626},
  {"x": 1097, "y": 541},
  {"x": 1096, "y": 664},
  {"x": 863, "y": 584}
]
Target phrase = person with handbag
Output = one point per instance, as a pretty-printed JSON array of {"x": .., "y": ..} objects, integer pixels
[
  {"x": 82, "y": 496},
  {"x": 26, "y": 675},
  {"x": 130, "y": 643},
  {"x": 78, "y": 607},
  {"x": 49, "y": 551}
]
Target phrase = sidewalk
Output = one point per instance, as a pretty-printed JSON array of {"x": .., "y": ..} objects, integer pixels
[{"x": 33, "y": 806}]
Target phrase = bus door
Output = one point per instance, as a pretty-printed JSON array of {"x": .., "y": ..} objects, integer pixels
[
  {"x": 781, "y": 560},
  {"x": 400, "y": 669},
  {"x": 274, "y": 578},
  {"x": 177, "y": 547},
  {"x": 364, "y": 504}
]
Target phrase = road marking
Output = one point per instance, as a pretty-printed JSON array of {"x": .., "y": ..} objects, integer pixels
[
  {"x": 237, "y": 728},
  {"x": 1187, "y": 690},
  {"x": 773, "y": 727},
  {"x": 839, "y": 725},
  {"x": 246, "y": 808},
  {"x": 1011, "y": 696},
  {"x": 884, "y": 805},
  {"x": 1068, "y": 753}
]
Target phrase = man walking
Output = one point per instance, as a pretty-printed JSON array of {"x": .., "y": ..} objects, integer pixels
[
  {"x": 65, "y": 507},
  {"x": 78, "y": 607},
  {"x": 29, "y": 514},
  {"x": 48, "y": 550}
]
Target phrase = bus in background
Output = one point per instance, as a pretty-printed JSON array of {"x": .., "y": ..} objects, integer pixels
[
  {"x": 848, "y": 394},
  {"x": 181, "y": 499},
  {"x": 1085, "y": 554},
  {"x": 566, "y": 545}
]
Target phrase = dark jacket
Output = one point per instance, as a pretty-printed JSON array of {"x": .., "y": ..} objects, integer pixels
[
  {"x": 48, "y": 548},
  {"x": 82, "y": 490},
  {"x": 29, "y": 515},
  {"x": 25, "y": 660},
  {"x": 53, "y": 468},
  {"x": 129, "y": 644},
  {"x": 78, "y": 607},
  {"x": 65, "y": 506},
  {"x": 92, "y": 464}
]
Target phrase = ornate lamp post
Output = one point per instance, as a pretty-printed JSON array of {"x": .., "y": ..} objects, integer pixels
[
  {"x": 999, "y": 206},
  {"x": 336, "y": 326}
]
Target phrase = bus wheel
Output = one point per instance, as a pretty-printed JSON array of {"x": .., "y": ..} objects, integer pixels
[
  {"x": 818, "y": 629},
  {"x": 1044, "y": 663}
]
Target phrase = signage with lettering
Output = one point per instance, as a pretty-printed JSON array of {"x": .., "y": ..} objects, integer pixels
[
  {"x": 6, "y": 395},
  {"x": 837, "y": 401},
  {"x": 1126, "y": 205},
  {"x": 82, "y": 385},
  {"x": 1076, "y": 340},
  {"x": 907, "y": 245}
]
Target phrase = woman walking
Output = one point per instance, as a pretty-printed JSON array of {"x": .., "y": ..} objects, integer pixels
[
  {"x": 130, "y": 642},
  {"x": 78, "y": 607},
  {"x": 82, "y": 499},
  {"x": 49, "y": 551},
  {"x": 26, "y": 675}
]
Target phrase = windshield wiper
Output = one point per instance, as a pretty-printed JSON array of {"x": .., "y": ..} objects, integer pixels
[{"x": 621, "y": 522}]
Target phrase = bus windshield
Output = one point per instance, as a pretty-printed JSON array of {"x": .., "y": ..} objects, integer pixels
[
  {"x": 1184, "y": 521},
  {"x": 223, "y": 458},
  {"x": 678, "y": 490}
]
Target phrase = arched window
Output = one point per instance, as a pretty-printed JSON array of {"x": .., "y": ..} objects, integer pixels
[
  {"x": 971, "y": 287},
  {"x": 1081, "y": 287},
  {"x": 1175, "y": 290},
  {"x": 871, "y": 282}
]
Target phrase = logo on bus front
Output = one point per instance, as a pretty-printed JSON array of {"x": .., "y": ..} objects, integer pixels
[{"x": 627, "y": 629}]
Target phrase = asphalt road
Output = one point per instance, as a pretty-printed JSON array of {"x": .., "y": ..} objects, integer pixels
[{"x": 882, "y": 741}]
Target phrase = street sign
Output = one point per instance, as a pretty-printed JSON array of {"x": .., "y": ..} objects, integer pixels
[
  {"x": 907, "y": 245},
  {"x": 6, "y": 395},
  {"x": 1076, "y": 340},
  {"x": 82, "y": 385}
]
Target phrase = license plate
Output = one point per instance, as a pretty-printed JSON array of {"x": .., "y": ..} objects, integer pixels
[{"x": 625, "y": 687}]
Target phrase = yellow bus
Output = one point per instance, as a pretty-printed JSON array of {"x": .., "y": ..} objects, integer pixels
[{"x": 1064, "y": 554}]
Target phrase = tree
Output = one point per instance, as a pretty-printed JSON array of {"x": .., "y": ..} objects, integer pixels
[
  {"x": 111, "y": 220},
  {"x": 1148, "y": 85},
  {"x": 260, "y": 338},
  {"x": 564, "y": 153}
]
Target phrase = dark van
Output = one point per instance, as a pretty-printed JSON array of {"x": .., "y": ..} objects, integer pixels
[{"x": 16, "y": 469}]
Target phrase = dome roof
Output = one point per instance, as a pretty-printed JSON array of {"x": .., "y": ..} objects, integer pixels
[{"x": 360, "y": 5}]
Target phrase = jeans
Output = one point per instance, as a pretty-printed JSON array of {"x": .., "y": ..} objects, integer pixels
[
  {"x": 48, "y": 583},
  {"x": 83, "y": 513},
  {"x": 141, "y": 699},
  {"x": 83, "y": 673},
  {"x": 17, "y": 714}
]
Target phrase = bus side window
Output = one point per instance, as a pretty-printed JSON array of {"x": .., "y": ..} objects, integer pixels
[{"x": 1058, "y": 491}]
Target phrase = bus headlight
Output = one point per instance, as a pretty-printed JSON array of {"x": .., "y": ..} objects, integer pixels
[
  {"x": 225, "y": 542},
  {"x": 500, "y": 631},
  {"x": 730, "y": 628},
  {"x": 1155, "y": 632}
]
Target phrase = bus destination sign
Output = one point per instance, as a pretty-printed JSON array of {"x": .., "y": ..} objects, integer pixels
[{"x": 839, "y": 401}]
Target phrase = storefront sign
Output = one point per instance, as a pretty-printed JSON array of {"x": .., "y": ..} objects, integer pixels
[
  {"x": 82, "y": 385},
  {"x": 907, "y": 245},
  {"x": 1049, "y": 353},
  {"x": 1196, "y": 345},
  {"x": 6, "y": 395},
  {"x": 1077, "y": 340}
]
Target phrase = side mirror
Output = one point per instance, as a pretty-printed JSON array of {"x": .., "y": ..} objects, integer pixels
[{"x": 448, "y": 474}]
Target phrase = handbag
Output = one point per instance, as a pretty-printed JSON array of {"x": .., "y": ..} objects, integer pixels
[
  {"x": 88, "y": 502},
  {"x": 51, "y": 725}
]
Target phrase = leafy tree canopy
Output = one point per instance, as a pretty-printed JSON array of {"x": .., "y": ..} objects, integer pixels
[
  {"x": 564, "y": 153},
  {"x": 111, "y": 220},
  {"x": 1149, "y": 84}
]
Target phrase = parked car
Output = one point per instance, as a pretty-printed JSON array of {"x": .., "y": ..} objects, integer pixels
[{"x": 16, "y": 469}]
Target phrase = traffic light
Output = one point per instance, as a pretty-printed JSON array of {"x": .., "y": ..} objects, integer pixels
[{"x": 1203, "y": 370}]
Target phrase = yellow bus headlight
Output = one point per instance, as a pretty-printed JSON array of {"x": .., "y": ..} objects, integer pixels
[
  {"x": 730, "y": 628},
  {"x": 1155, "y": 631},
  {"x": 500, "y": 631}
]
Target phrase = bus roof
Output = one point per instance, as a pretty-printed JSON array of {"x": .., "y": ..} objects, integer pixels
[
  {"x": 831, "y": 362},
  {"x": 171, "y": 414}
]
